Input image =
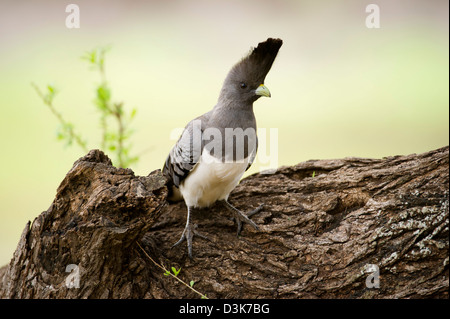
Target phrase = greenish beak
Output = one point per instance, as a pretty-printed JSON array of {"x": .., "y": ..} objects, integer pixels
[{"x": 262, "y": 90}]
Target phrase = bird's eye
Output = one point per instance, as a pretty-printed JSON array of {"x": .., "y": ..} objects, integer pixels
[{"x": 243, "y": 85}]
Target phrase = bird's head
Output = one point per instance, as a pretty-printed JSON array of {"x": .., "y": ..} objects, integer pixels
[{"x": 245, "y": 81}]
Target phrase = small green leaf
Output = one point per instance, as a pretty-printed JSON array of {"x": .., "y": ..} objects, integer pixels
[
  {"x": 67, "y": 126},
  {"x": 133, "y": 113},
  {"x": 60, "y": 135},
  {"x": 103, "y": 93},
  {"x": 167, "y": 273},
  {"x": 90, "y": 56},
  {"x": 191, "y": 283},
  {"x": 175, "y": 271},
  {"x": 51, "y": 89},
  {"x": 314, "y": 174}
]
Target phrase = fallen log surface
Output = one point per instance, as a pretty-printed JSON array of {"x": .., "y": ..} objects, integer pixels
[{"x": 346, "y": 228}]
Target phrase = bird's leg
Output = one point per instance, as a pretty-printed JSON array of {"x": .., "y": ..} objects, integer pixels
[
  {"x": 241, "y": 217},
  {"x": 188, "y": 233}
]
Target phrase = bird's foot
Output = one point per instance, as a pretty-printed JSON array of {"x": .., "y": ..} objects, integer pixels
[
  {"x": 241, "y": 217},
  {"x": 188, "y": 234}
]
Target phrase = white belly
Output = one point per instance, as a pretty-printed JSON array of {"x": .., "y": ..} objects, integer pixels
[{"x": 211, "y": 180}]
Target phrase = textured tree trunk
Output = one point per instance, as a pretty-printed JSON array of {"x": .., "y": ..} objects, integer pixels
[{"x": 348, "y": 228}]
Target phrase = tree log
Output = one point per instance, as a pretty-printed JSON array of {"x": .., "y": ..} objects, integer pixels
[{"x": 347, "y": 228}]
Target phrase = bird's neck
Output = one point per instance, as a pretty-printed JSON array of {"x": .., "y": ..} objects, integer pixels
[
  {"x": 234, "y": 106},
  {"x": 233, "y": 116}
]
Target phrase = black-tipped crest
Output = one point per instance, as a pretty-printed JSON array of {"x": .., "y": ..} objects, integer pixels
[
  {"x": 258, "y": 62},
  {"x": 264, "y": 55}
]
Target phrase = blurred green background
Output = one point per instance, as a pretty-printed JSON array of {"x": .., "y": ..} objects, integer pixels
[{"x": 338, "y": 88}]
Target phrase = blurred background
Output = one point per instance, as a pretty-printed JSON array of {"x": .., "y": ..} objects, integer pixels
[{"x": 338, "y": 88}]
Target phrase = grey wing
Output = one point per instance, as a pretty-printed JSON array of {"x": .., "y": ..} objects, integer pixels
[
  {"x": 185, "y": 154},
  {"x": 253, "y": 155}
]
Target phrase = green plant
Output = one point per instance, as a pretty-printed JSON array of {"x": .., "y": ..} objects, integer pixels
[
  {"x": 174, "y": 271},
  {"x": 66, "y": 131},
  {"x": 173, "y": 274},
  {"x": 114, "y": 120}
]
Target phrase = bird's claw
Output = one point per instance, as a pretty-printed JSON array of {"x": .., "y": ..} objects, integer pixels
[
  {"x": 188, "y": 234},
  {"x": 240, "y": 217}
]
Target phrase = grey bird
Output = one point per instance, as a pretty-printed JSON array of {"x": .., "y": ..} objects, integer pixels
[{"x": 216, "y": 148}]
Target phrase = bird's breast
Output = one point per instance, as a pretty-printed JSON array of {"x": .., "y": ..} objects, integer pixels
[{"x": 211, "y": 180}]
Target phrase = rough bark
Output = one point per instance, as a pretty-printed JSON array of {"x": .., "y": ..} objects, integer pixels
[
  {"x": 98, "y": 214},
  {"x": 324, "y": 223}
]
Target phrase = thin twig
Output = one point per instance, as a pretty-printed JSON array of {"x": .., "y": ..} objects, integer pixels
[
  {"x": 47, "y": 101},
  {"x": 118, "y": 114},
  {"x": 168, "y": 272}
]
